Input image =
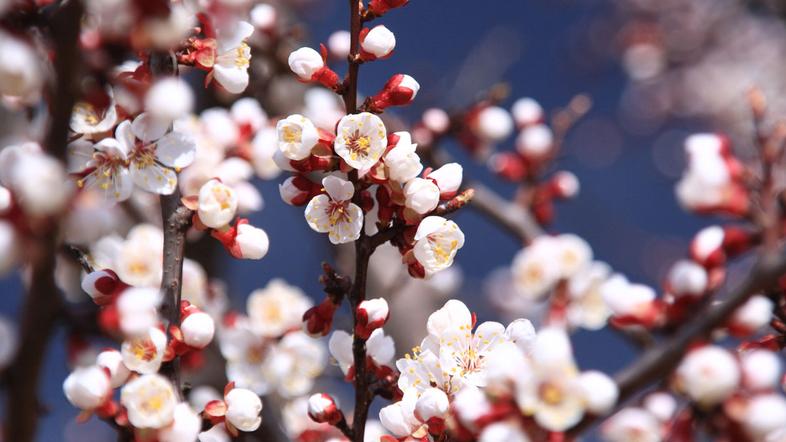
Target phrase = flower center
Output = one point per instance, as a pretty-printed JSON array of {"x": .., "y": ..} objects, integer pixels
[
  {"x": 144, "y": 156},
  {"x": 550, "y": 393},
  {"x": 337, "y": 212},
  {"x": 144, "y": 349},
  {"x": 359, "y": 145},
  {"x": 242, "y": 58},
  {"x": 291, "y": 135}
]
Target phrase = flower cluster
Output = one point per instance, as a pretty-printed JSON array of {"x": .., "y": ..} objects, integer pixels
[
  {"x": 265, "y": 349},
  {"x": 473, "y": 381}
]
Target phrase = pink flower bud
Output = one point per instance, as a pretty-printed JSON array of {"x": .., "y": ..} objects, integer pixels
[
  {"x": 432, "y": 406},
  {"x": 264, "y": 17},
  {"x": 243, "y": 409},
  {"x": 371, "y": 315},
  {"x": 198, "y": 329},
  {"x": 751, "y": 316},
  {"x": 101, "y": 285},
  {"x": 378, "y": 42},
  {"x": 323, "y": 409},
  {"x": 112, "y": 362},
  {"x": 318, "y": 320},
  {"x": 708, "y": 375},
  {"x": 400, "y": 90},
  {"x": 87, "y": 387},
  {"x": 448, "y": 179},
  {"x": 305, "y": 62},
  {"x": 338, "y": 44},
  {"x": 217, "y": 204},
  {"x": 296, "y": 190},
  {"x": 493, "y": 124},
  {"x": 761, "y": 369},
  {"x": 380, "y": 7},
  {"x": 252, "y": 242},
  {"x": 243, "y": 241},
  {"x": 564, "y": 185},
  {"x": 436, "y": 120},
  {"x": 535, "y": 142},
  {"x": 422, "y": 195},
  {"x": 527, "y": 112},
  {"x": 686, "y": 278}
]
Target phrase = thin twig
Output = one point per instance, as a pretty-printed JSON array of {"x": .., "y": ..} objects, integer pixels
[{"x": 176, "y": 219}]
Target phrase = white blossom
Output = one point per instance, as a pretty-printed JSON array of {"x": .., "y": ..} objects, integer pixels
[
  {"x": 361, "y": 140},
  {"x": 233, "y": 57},
  {"x": 144, "y": 354},
  {"x": 169, "y": 99},
  {"x": 150, "y": 401},
  {"x": 185, "y": 427},
  {"x": 436, "y": 242},
  {"x": 297, "y": 135},
  {"x": 335, "y": 213},
  {"x": 217, "y": 204},
  {"x": 526, "y": 111},
  {"x": 277, "y": 308},
  {"x": 252, "y": 242},
  {"x": 708, "y": 375}
]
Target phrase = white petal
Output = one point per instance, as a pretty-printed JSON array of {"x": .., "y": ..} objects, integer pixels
[
  {"x": 233, "y": 79},
  {"x": 80, "y": 155},
  {"x": 176, "y": 149},
  {"x": 338, "y": 189},
  {"x": 147, "y": 128},
  {"x": 154, "y": 178}
]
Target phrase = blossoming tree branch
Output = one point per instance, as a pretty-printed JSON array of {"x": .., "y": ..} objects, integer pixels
[{"x": 116, "y": 198}]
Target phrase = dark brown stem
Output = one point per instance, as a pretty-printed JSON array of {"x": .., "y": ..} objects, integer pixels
[
  {"x": 176, "y": 219},
  {"x": 656, "y": 363},
  {"x": 363, "y": 399},
  {"x": 43, "y": 305},
  {"x": 515, "y": 219},
  {"x": 350, "y": 92}
]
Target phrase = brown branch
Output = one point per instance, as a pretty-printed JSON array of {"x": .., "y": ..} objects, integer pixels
[
  {"x": 176, "y": 219},
  {"x": 656, "y": 363},
  {"x": 350, "y": 89},
  {"x": 515, "y": 219},
  {"x": 42, "y": 304}
]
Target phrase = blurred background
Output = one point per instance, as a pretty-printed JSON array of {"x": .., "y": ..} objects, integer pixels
[{"x": 655, "y": 70}]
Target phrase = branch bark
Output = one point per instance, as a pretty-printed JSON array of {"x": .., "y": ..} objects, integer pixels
[
  {"x": 43, "y": 304},
  {"x": 656, "y": 363},
  {"x": 176, "y": 219}
]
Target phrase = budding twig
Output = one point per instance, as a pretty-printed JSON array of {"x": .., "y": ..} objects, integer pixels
[{"x": 658, "y": 362}]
